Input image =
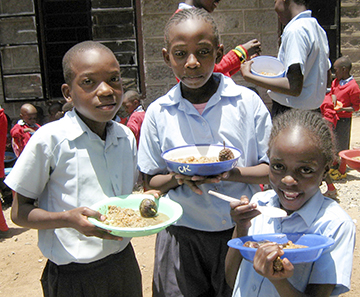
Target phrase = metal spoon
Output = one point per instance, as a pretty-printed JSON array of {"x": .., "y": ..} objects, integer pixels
[{"x": 269, "y": 211}]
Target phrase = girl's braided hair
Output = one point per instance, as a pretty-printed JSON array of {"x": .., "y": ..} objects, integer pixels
[
  {"x": 192, "y": 13},
  {"x": 318, "y": 128}
]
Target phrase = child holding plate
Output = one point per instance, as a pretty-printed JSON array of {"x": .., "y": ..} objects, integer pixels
[
  {"x": 70, "y": 164},
  {"x": 301, "y": 151},
  {"x": 204, "y": 108},
  {"x": 304, "y": 51}
]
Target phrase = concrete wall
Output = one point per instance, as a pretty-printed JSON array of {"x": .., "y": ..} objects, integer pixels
[{"x": 238, "y": 20}]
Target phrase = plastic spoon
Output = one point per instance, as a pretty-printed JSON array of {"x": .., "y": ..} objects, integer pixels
[{"x": 269, "y": 211}]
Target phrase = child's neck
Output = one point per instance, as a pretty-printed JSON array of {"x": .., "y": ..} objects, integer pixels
[{"x": 203, "y": 94}]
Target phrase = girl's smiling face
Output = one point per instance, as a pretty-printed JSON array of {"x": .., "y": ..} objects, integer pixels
[{"x": 297, "y": 167}]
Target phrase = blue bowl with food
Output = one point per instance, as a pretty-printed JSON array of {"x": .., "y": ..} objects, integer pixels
[
  {"x": 305, "y": 247},
  {"x": 201, "y": 159}
]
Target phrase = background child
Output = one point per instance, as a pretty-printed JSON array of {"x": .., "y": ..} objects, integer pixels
[
  {"x": 304, "y": 51},
  {"x": 205, "y": 107},
  {"x": 3, "y": 132},
  {"x": 231, "y": 62},
  {"x": 78, "y": 160},
  {"x": 24, "y": 128},
  {"x": 301, "y": 150},
  {"x": 345, "y": 90},
  {"x": 133, "y": 107}
]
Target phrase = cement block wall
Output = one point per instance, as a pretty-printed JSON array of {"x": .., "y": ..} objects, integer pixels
[{"x": 238, "y": 22}]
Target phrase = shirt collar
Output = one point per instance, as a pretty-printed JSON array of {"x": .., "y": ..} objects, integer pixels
[
  {"x": 311, "y": 208},
  {"x": 343, "y": 82},
  {"x": 308, "y": 212},
  {"x": 184, "y": 6},
  {"x": 226, "y": 88},
  {"x": 78, "y": 128}
]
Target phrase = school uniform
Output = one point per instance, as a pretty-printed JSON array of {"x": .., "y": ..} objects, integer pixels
[
  {"x": 320, "y": 215},
  {"x": 234, "y": 114},
  {"x": 72, "y": 167}
]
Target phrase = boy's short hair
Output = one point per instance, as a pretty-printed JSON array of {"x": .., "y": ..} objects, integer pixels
[
  {"x": 192, "y": 13},
  {"x": 72, "y": 52},
  {"x": 344, "y": 61}
]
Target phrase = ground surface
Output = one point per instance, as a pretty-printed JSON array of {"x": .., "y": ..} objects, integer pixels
[{"x": 21, "y": 262}]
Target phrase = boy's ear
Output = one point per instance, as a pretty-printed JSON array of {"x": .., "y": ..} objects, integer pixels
[
  {"x": 166, "y": 56},
  {"x": 219, "y": 53},
  {"x": 65, "y": 89}
]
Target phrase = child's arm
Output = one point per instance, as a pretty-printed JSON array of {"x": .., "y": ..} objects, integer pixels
[
  {"x": 263, "y": 264},
  {"x": 258, "y": 174},
  {"x": 166, "y": 182},
  {"x": 290, "y": 85},
  {"x": 241, "y": 212},
  {"x": 25, "y": 213}
]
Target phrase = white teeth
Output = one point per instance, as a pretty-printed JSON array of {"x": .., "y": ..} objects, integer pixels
[{"x": 291, "y": 195}]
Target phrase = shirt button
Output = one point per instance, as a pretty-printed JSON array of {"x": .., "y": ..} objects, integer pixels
[
  {"x": 223, "y": 222},
  {"x": 254, "y": 287}
]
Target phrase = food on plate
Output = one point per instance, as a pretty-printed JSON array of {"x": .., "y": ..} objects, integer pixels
[
  {"x": 356, "y": 158},
  {"x": 268, "y": 73},
  {"x": 148, "y": 208},
  {"x": 277, "y": 264},
  {"x": 126, "y": 217},
  {"x": 226, "y": 154},
  {"x": 194, "y": 160}
]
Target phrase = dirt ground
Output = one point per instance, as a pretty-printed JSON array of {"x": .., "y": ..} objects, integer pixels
[{"x": 21, "y": 262}]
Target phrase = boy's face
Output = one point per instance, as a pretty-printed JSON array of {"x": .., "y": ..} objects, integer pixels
[
  {"x": 29, "y": 117},
  {"x": 340, "y": 71},
  {"x": 130, "y": 106},
  {"x": 296, "y": 168},
  {"x": 192, "y": 52},
  {"x": 96, "y": 89},
  {"x": 208, "y": 5}
]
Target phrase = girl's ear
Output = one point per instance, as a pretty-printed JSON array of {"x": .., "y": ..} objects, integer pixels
[
  {"x": 65, "y": 89},
  {"x": 166, "y": 56},
  {"x": 219, "y": 53}
]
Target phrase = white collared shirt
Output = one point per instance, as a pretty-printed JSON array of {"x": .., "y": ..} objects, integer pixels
[
  {"x": 234, "y": 114},
  {"x": 65, "y": 165},
  {"x": 304, "y": 42}
]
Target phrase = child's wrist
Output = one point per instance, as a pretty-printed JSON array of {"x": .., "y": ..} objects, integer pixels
[{"x": 243, "y": 51}]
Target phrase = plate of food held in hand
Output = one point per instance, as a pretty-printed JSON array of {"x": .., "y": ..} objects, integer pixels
[
  {"x": 267, "y": 66},
  {"x": 201, "y": 159},
  {"x": 136, "y": 215},
  {"x": 298, "y": 247}
]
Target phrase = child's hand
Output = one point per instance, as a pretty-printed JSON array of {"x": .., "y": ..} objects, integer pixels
[
  {"x": 246, "y": 68},
  {"x": 264, "y": 259},
  {"x": 253, "y": 47},
  {"x": 194, "y": 181},
  {"x": 242, "y": 212},
  {"x": 155, "y": 193},
  {"x": 78, "y": 220}
]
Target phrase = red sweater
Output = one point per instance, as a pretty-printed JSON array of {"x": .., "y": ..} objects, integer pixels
[
  {"x": 3, "y": 133},
  {"x": 348, "y": 95},
  {"x": 134, "y": 123},
  {"x": 21, "y": 138}
]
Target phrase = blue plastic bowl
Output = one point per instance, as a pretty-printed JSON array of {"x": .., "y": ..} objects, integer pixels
[
  {"x": 203, "y": 169},
  {"x": 267, "y": 64},
  {"x": 316, "y": 244},
  {"x": 9, "y": 157}
]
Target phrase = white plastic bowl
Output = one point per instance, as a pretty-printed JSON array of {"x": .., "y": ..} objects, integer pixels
[{"x": 267, "y": 64}]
